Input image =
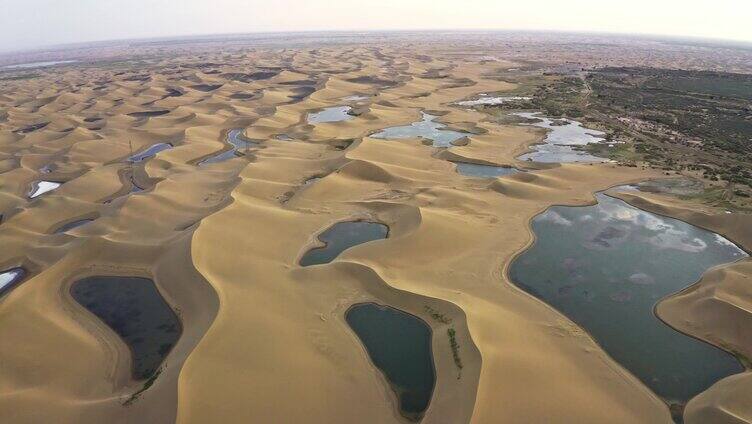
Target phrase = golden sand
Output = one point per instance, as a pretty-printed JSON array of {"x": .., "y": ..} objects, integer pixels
[{"x": 265, "y": 341}]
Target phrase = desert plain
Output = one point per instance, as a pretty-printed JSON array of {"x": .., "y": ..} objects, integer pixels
[{"x": 263, "y": 339}]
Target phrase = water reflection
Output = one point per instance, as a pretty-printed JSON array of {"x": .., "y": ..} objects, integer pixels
[
  {"x": 148, "y": 153},
  {"x": 606, "y": 266},
  {"x": 355, "y": 98},
  {"x": 330, "y": 114},
  {"x": 560, "y": 142},
  {"x": 484, "y": 171},
  {"x": 41, "y": 187},
  {"x": 9, "y": 278},
  {"x": 426, "y": 128}
]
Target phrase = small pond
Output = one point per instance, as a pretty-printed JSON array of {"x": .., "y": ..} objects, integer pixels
[
  {"x": 427, "y": 128},
  {"x": 356, "y": 98},
  {"x": 330, "y": 114},
  {"x": 41, "y": 187},
  {"x": 484, "y": 171},
  {"x": 342, "y": 236},
  {"x": 9, "y": 278},
  {"x": 134, "y": 309},
  {"x": 562, "y": 140},
  {"x": 399, "y": 344}
]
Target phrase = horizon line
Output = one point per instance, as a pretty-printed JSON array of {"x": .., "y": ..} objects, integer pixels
[{"x": 653, "y": 36}]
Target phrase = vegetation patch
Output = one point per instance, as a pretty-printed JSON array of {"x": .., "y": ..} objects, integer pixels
[
  {"x": 148, "y": 383},
  {"x": 697, "y": 123},
  {"x": 455, "y": 349},
  {"x": 437, "y": 316},
  {"x": 451, "y": 333}
]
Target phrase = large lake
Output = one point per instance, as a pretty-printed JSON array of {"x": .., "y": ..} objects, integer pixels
[{"x": 606, "y": 266}]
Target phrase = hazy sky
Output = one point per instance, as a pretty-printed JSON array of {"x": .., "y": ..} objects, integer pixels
[{"x": 33, "y": 23}]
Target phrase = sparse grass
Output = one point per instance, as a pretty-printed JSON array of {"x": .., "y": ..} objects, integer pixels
[
  {"x": 676, "y": 107},
  {"x": 696, "y": 123},
  {"x": 620, "y": 152},
  {"x": 455, "y": 349},
  {"x": 721, "y": 198},
  {"x": 436, "y": 315},
  {"x": 148, "y": 383},
  {"x": 451, "y": 333}
]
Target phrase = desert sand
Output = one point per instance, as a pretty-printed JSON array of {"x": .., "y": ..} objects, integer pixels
[{"x": 265, "y": 340}]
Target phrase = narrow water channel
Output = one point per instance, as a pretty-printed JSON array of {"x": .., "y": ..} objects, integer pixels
[
  {"x": 71, "y": 225},
  {"x": 342, "y": 236},
  {"x": 239, "y": 143},
  {"x": 148, "y": 153}
]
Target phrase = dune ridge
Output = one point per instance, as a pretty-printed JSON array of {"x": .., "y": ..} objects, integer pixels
[{"x": 266, "y": 340}]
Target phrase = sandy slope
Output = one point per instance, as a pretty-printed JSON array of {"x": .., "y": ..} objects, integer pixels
[
  {"x": 265, "y": 340},
  {"x": 450, "y": 239}
]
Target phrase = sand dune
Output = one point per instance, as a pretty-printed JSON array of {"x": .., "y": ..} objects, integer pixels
[{"x": 264, "y": 339}]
